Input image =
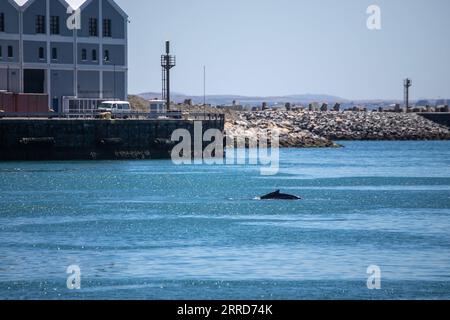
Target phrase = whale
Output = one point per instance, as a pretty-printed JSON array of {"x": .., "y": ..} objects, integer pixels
[{"x": 277, "y": 195}]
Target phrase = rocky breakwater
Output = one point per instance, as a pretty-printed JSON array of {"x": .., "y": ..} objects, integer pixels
[
  {"x": 305, "y": 129},
  {"x": 370, "y": 126},
  {"x": 261, "y": 125}
]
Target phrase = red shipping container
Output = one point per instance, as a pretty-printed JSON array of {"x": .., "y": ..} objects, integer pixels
[
  {"x": 23, "y": 102},
  {"x": 7, "y": 102}
]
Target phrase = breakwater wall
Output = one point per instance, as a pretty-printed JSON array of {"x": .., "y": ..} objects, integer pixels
[
  {"x": 61, "y": 139},
  {"x": 440, "y": 118}
]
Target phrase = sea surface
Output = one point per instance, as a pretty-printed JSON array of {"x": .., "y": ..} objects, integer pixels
[{"x": 156, "y": 230}]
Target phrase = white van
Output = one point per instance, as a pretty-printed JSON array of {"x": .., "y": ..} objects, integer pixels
[{"x": 120, "y": 109}]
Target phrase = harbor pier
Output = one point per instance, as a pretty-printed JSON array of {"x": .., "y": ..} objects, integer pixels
[{"x": 38, "y": 139}]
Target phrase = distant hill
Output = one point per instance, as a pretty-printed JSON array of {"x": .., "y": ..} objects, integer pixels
[
  {"x": 245, "y": 100},
  {"x": 138, "y": 103},
  {"x": 299, "y": 99}
]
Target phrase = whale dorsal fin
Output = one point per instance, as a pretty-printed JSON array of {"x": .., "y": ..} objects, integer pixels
[{"x": 277, "y": 192}]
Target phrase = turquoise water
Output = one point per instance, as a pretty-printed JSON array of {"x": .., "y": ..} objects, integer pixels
[{"x": 154, "y": 230}]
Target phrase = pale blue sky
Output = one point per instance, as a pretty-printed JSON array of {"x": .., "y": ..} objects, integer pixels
[{"x": 278, "y": 47}]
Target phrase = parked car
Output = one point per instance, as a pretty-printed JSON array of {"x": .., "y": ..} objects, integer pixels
[{"x": 118, "y": 109}]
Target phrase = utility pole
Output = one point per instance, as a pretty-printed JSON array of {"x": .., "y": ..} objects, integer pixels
[
  {"x": 106, "y": 61},
  {"x": 204, "y": 86},
  {"x": 7, "y": 78},
  {"x": 115, "y": 91}
]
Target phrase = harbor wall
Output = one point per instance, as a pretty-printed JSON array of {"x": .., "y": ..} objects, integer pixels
[
  {"x": 59, "y": 139},
  {"x": 440, "y": 118}
]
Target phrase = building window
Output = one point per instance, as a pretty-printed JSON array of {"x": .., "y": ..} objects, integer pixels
[
  {"x": 93, "y": 27},
  {"x": 10, "y": 52},
  {"x": 106, "y": 55},
  {"x": 84, "y": 54},
  {"x": 107, "y": 32},
  {"x": 40, "y": 24},
  {"x": 2, "y": 22},
  {"x": 54, "y": 53},
  {"x": 54, "y": 24},
  {"x": 94, "y": 55},
  {"x": 41, "y": 53}
]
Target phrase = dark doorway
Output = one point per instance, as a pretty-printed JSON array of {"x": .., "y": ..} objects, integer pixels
[
  {"x": 34, "y": 80},
  {"x": 55, "y": 104}
]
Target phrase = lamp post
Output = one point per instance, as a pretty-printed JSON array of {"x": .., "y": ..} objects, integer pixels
[
  {"x": 204, "y": 92},
  {"x": 106, "y": 60},
  {"x": 407, "y": 84},
  {"x": 7, "y": 78},
  {"x": 115, "y": 92},
  {"x": 167, "y": 62},
  {"x": 204, "y": 86}
]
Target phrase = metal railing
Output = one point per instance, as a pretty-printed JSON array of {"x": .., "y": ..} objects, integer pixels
[
  {"x": 94, "y": 114},
  {"x": 80, "y": 105},
  {"x": 205, "y": 116}
]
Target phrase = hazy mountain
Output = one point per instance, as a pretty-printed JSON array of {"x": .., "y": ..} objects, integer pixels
[
  {"x": 245, "y": 100},
  {"x": 300, "y": 99}
]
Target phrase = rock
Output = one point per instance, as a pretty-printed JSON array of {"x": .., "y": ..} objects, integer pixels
[{"x": 302, "y": 128}]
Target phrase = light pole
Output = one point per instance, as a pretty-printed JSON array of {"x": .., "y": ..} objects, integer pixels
[
  {"x": 407, "y": 84},
  {"x": 7, "y": 78},
  {"x": 204, "y": 86},
  {"x": 106, "y": 60},
  {"x": 167, "y": 62},
  {"x": 115, "y": 92}
]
